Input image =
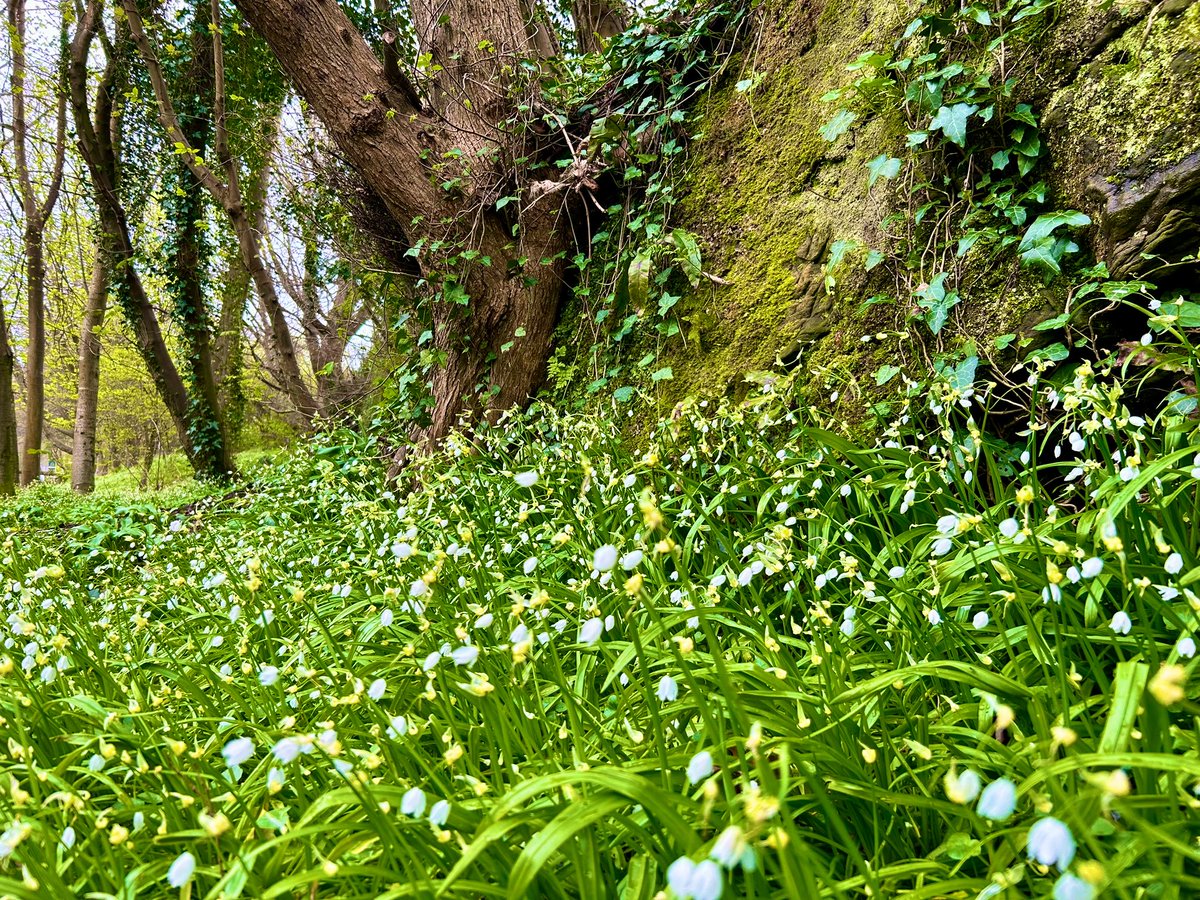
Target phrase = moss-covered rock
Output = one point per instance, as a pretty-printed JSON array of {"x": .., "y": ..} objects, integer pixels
[{"x": 1120, "y": 89}]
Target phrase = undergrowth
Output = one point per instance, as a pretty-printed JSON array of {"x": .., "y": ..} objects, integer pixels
[{"x": 751, "y": 659}]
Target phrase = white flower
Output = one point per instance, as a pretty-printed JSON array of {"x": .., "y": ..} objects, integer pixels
[
  {"x": 981, "y": 620},
  {"x": 942, "y": 546},
  {"x": 1051, "y": 843},
  {"x": 1090, "y": 568},
  {"x": 465, "y": 655},
  {"x": 934, "y": 617},
  {"x": 947, "y": 524},
  {"x": 238, "y": 751},
  {"x": 1052, "y": 593},
  {"x": 431, "y": 661},
  {"x": 68, "y": 837},
  {"x": 1173, "y": 564},
  {"x": 732, "y": 849},
  {"x": 484, "y": 621},
  {"x": 668, "y": 690},
  {"x": 632, "y": 560},
  {"x": 377, "y": 689},
  {"x": 530, "y": 565},
  {"x": 418, "y": 588},
  {"x": 386, "y": 618},
  {"x": 268, "y": 675},
  {"x": 896, "y": 572},
  {"x": 181, "y": 870},
  {"x": 1009, "y": 527},
  {"x": 286, "y": 750},
  {"x": 413, "y": 802},
  {"x": 402, "y": 550},
  {"x": 604, "y": 558},
  {"x": 439, "y": 813},
  {"x": 695, "y": 881},
  {"x": 1186, "y": 648},
  {"x": 700, "y": 766},
  {"x": 1121, "y": 623},
  {"x": 590, "y": 631},
  {"x": 998, "y": 800},
  {"x": 397, "y": 727},
  {"x": 962, "y": 787},
  {"x": 526, "y": 479}
]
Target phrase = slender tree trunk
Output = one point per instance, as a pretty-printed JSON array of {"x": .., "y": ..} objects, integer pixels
[
  {"x": 8, "y": 413},
  {"x": 35, "y": 356},
  {"x": 99, "y": 145},
  {"x": 37, "y": 211},
  {"x": 247, "y": 225},
  {"x": 83, "y": 452}
]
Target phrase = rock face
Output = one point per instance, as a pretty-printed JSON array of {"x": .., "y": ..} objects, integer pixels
[
  {"x": 1118, "y": 92},
  {"x": 1125, "y": 135}
]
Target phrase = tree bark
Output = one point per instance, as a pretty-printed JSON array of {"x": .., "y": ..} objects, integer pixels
[
  {"x": 8, "y": 413},
  {"x": 83, "y": 451},
  {"x": 440, "y": 172},
  {"x": 37, "y": 212},
  {"x": 597, "y": 22},
  {"x": 228, "y": 193},
  {"x": 100, "y": 147}
]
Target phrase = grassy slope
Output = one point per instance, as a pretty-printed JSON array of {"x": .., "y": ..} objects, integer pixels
[{"x": 799, "y": 643}]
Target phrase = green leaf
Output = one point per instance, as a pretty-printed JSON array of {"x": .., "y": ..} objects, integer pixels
[
  {"x": 1056, "y": 322},
  {"x": 688, "y": 254},
  {"x": 882, "y": 166},
  {"x": 1054, "y": 353},
  {"x": 663, "y": 374},
  {"x": 838, "y": 125},
  {"x": 639, "y": 278},
  {"x": 1046, "y": 224},
  {"x": 1188, "y": 315},
  {"x": 886, "y": 374},
  {"x": 952, "y": 121},
  {"x": 623, "y": 394}
]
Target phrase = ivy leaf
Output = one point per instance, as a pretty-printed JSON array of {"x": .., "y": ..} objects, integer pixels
[
  {"x": 1045, "y": 225},
  {"x": 623, "y": 394},
  {"x": 952, "y": 121},
  {"x": 882, "y": 166},
  {"x": 874, "y": 258},
  {"x": 838, "y": 125},
  {"x": 1057, "y": 322},
  {"x": 886, "y": 374},
  {"x": 688, "y": 254},
  {"x": 663, "y": 374}
]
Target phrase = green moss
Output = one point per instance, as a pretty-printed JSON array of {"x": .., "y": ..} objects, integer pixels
[
  {"x": 1132, "y": 110},
  {"x": 769, "y": 195}
]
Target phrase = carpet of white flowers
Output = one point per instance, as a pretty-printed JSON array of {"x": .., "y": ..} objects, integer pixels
[{"x": 754, "y": 660}]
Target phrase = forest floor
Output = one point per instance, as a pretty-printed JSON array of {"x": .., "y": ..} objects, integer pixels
[{"x": 750, "y": 658}]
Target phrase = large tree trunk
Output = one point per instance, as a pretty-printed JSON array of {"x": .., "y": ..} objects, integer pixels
[
  {"x": 83, "y": 451},
  {"x": 495, "y": 345}
]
